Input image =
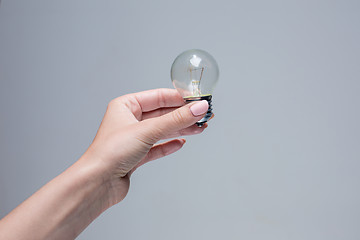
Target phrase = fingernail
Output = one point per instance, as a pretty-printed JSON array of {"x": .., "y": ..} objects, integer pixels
[{"x": 199, "y": 108}]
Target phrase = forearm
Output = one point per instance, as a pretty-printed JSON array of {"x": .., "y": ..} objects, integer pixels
[{"x": 63, "y": 207}]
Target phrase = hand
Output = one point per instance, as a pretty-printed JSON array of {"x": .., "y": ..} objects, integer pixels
[
  {"x": 132, "y": 125},
  {"x": 125, "y": 140}
]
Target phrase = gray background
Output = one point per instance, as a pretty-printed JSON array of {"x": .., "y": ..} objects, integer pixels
[{"x": 279, "y": 161}]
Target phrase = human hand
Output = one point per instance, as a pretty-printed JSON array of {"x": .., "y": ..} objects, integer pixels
[
  {"x": 131, "y": 127},
  {"x": 126, "y": 139}
]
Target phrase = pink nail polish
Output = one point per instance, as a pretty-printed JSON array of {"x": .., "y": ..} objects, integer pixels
[{"x": 199, "y": 108}]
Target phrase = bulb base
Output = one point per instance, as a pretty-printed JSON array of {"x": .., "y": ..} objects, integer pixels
[{"x": 208, "y": 114}]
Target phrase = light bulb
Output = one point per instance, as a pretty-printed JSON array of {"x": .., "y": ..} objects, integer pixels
[{"x": 194, "y": 73}]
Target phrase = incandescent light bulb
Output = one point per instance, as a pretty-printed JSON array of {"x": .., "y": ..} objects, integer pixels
[{"x": 194, "y": 74}]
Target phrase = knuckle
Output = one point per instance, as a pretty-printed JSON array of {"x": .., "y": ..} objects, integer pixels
[
  {"x": 113, "y": 103},
  {"x": 154, "y": 134},
  {"x": 120, "y": 101},
  {"x": 178, "y": 117},
  {"x": 161, "y": 98}
]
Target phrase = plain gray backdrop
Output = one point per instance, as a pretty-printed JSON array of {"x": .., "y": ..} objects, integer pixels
[{"x": 280, "y": 160}]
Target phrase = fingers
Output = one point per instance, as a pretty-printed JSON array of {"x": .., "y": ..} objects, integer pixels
[
  {"x": 161, "y": 111},
  {"x": 158, "y": 112},
  {"x": 192, "y": 130},
  {"x": 161, "y": 150},
  {"x": 158, "y": 128},
  {"x": 158, "y": 98}
]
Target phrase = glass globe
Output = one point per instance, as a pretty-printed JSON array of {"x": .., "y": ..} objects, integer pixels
[{"x": 194, "y": 74}]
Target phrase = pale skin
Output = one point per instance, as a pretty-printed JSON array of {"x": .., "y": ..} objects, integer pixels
[{"x": 127, "y": 138}]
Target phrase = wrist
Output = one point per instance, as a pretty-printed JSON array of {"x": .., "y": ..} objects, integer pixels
[{"x": 94, "y": 169}]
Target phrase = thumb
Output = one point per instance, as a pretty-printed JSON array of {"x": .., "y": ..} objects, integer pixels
[{"x": 183, "y": 117}]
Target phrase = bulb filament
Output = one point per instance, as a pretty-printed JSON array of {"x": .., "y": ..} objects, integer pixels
[{"x": 195, "y": 77}]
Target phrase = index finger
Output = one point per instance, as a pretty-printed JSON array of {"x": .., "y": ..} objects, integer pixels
[{"x": 158, "y": 98}]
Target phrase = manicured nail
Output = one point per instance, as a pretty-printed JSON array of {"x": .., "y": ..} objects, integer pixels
[{"x": 199, "y": 108}]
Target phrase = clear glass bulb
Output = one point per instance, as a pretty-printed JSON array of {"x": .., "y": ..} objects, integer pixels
[{"x": 194, "y": 74}]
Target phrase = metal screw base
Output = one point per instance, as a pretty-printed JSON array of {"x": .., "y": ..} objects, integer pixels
[{"x": 208, "y": 113}]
